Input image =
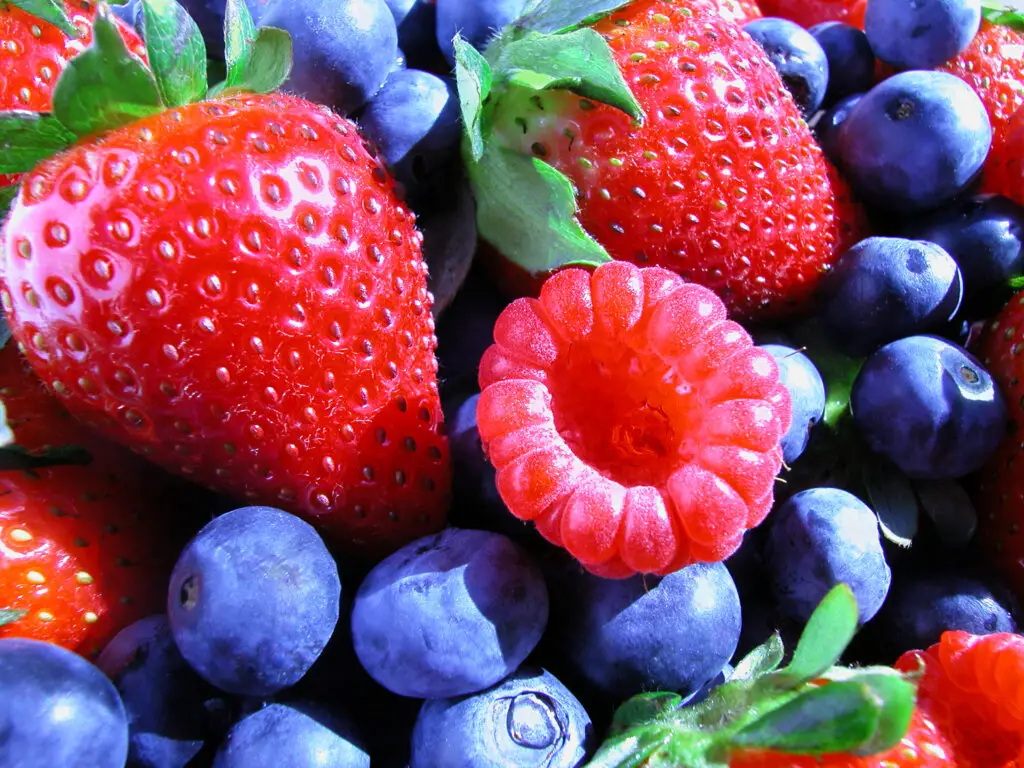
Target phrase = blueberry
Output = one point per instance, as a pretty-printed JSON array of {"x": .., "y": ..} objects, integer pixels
[
  {"x": 253, "y": 600},
  {"x": 449, "y": 614},
  {"x": 416, "y": 21},
  {"x": 819, "y": 538},
  {"x": 915, "y": 141},
  {"x": 128, "y": 11},
  {"x": 527, "y": 721},
  {"x": 57, "y": 709},
  {"x": 926, "y": 602},
  {"x": 851, "y": 62},
  {"x": 292, "y": 735},
  {"x": 796, "y": 55},
  {"x": 884, "y": 288},
  {"x": 929, "y": 406},
  {"x": 921, "y": 35},
  {"x": 449, "y": 243},
  {"x": 414, "y": 121},
  {"x": 343, "y": 51},
  {"x": 985, "y": 235},
  {"x": 648, "y": 633},
  {"x": 163, "y": 697},
  {"x": 807, "y": 395},
  {"x": 826, "y": 129},
  {"x": 476, "y": 20},
  {"x": 465, "y": 331}
]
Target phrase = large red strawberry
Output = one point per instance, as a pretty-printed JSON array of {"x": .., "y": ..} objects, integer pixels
[
  {"x": 88, "y": 532},
  {"x": 1004, "y": 168},
  {"x": 740, "y": 11},
  {"x": 230, "y": 286},
  {"x": 630, "y": 421},
  {"x": 697, "y": 160},
  {"x": 35, "y": 51},
  {"x": 807, "y": 13}
]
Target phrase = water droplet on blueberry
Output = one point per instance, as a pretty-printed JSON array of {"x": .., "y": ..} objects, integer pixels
[{"x": 532, "y": 721}]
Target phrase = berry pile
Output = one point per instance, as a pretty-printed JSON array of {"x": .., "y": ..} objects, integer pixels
[{"x": 515, "y": 383}]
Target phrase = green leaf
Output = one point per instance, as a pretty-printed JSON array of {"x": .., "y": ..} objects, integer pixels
[
  {"x": 473, "y": 78},
  {"x": 579, "y": 61},
  {"x": 176, "y": 51},
  {"x": 1004, "y": 12},
  {"x": 527, "y": 210},
  {"x": 654, "y": 746},
  {"x": 8, "y": 616},
  {"x": 837, "y": 717},
  {"x": 566, "y": 15},
  {"x": 7, "y": 195},
  {"x": 27, "y": 138},
  {"x": 51, "y": 11},
  {"x": 896, "y": 694},
  {"x": 763, "y": 659},
  {"x": 105, "y": 86},
  {"x": 239, "y": 39},
  {"x": 643, "y": 708},
  {"x": 951, "y": 509},
  {"x": 892, "y": 496},
  {"x": 829, "y": 630},
  {"x": 270, "y": 63}
]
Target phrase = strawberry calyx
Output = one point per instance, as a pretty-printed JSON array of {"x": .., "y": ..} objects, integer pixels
[
  {"x": 811, "y": 706},
  {"x": 10, "y": 615},
  {"x": 526, "y": 208},
  {"x": 1003, "y": 13},
  {"x": 107, "y": 87},
  {"x": 50, "y": 11}
]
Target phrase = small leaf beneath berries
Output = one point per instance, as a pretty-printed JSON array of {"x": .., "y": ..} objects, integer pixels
[
  {"x": 837, "y": 717},
  {"x": 270, "y": 63},
  {"x": 26, "y": 138},
  {"x": 829, "y": 630},
  {"x": 7, "y": 195},
  {"x": 527, "y": 210},
  {"x": 896, "y": 693},
  {"x": 950, "y": 508},
  {"x": 473, "y": 77},
  {"x": 176, "y": 51},
  {"x": 763, "y": 659},
  {"x": 892, "y": 497},
  {"x": 579, "y": 61},
  {"x": 9, "y": 615},
  {"x": 50, "y": 11},
  {"x": 566, "y": 15},
  {"x": 643, "y": 708},
  {"x": 105, "y": 86},
  {"x": 239, "y": 37}
]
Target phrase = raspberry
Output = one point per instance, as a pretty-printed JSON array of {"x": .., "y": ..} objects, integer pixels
[
  {"x": 973, "y": 687},
  {"x": 630, "y": 420}
]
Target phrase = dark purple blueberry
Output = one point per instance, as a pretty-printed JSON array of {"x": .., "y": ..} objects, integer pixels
[
  {"x": 292, "y": 735},
  {"x": 57, "y": 709},
  {"x": 915, "y": 141},
  {"x": 885, "y": 288},
  {"x": 851, "y": 62},
  {"x": 826, "y": 129},
  {"x": 417, "y": 32},
  {"x": 807, "y": 396},
  {"x": 529, "y": 720},
  {"x": 449, "y": 243},
  {"x": 477, "y": 21},
  {"x": 253, "y": 600},
  {"x": 796, "y": 55},
  {"x": 449, "y": 614},
  {"x": 929, "y": 407},
  {"x": 164, "y": 698},
  {"x": 920, "y": 35}
]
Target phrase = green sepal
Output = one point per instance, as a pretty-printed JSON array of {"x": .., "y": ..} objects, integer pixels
[
  {"x": 896, "y": 694},
  {"x": 7, "y": 195},
  {"x": 176, "y": 52},
  {"x": 644, "y": 708},
  {"x": 764, "y": 659},
  {"x": 892, "y": 497},
  {"x": 566, "y": 15},
  {"x": 836, "y": 717},
  {"x": 9, "y": 616},
  {"x": 50, "y": 11},
  {"x": 829, "y": 630},
  {"x": 473, "y": 76},
  {"x": 1003, "y": 13},
  {"x": 239, "y": 36},
  {"x": 527, "y": 209},
  {"x": 658, "y": 745},
  {"x": 27, "y": 138},
  {"x": 256, "y": 60},
  {"x": 578, "y": 61},
  {"x": 105, "y": 86}
]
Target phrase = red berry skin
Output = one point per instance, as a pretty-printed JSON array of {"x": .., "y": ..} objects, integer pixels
[
  {"x": 1004, "y": 169},
  {"x": 87, "y": 549},
  {"x": 232, "y": 289},
  {"x": 807, "y": 13},
  {"x": 34, "y": 53},
  {"x": 722, "y": 183},
  {"x": 633, "y": 423},
  {"x": 973, "y": 688},
  {"x": 740, "y": 11}
]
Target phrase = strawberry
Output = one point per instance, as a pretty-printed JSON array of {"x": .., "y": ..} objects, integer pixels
[
  {"x": 662, "y": 135},
  {"x": 807, "y": 13},
  {"x": 35, "y": 51},
  {"x": 740, "y": 11},
  {"x": 1000, "y": 496},
  {"x": 972, "y": 688},
  {"x": 630, "y": 421},
  {"x": 85, "y": 548},
  {"x": 228, "y": 284},
  {"x": 1004, "y": 169}
]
